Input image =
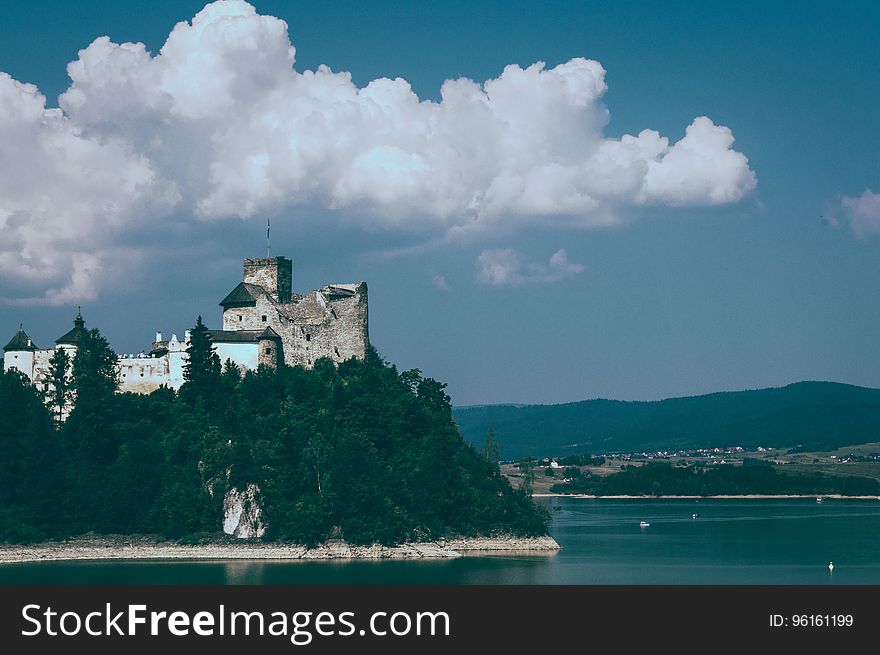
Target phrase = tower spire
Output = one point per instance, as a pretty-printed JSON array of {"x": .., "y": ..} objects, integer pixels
[{"x": 268, "y": 227}]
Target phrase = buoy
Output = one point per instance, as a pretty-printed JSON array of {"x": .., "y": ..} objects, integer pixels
[{"x": 831, "y": 567}]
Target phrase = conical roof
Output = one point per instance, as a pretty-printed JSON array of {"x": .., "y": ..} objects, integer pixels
[
  {"x": 77, "y": 334},
  {"x": 21, "y": 341}
]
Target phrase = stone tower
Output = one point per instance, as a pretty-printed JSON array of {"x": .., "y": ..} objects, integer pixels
[{"x": 274, "y": 275}]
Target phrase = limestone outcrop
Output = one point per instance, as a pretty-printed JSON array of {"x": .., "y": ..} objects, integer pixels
[{"x": 242, "y": 514}]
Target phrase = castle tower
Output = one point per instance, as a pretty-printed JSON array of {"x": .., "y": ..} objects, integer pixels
[
  {"x": 19, "y": 354},
  {"x": 273, "y": 274},
  {"x": 72, "y": 339},
  {"x": 270, "y": 352}
]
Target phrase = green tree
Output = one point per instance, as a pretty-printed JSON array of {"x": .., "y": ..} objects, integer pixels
[
  {"x": 94, "y": 369},
  {"x": 490, "y": 447},
  {"x": 231, "y": 374},
  {"x": 527, "y": 467},
  {"x": 202, "y": 368},
  {"x": 28, "y": 462},
  {"x": 59, "y": 375}
]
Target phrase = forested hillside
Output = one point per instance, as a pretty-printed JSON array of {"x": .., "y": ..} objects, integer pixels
[{"x": 816, "y": 415}]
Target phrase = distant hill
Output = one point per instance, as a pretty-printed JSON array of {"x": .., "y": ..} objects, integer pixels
[{"x": 816, "y": 415}]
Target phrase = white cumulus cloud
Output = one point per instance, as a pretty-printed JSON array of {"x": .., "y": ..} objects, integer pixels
[
  {"x": 219, "y": 125},
  {"x": 506, "y": 267},
  {"x": 863, "y": 213}
]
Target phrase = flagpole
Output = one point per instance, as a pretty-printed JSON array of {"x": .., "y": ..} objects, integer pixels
[{"x": 268, "y": 227}]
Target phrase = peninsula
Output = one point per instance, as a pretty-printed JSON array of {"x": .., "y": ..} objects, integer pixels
[{"x": 308, "y": 439}]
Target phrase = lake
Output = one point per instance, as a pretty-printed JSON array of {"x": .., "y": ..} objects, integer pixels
[{"x": 743, "y": 541}]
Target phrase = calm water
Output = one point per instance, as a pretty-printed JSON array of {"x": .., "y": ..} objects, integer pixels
[{"x": 731, "y": 542}]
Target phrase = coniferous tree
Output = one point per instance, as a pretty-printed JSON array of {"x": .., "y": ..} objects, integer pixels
[
  {"x": 59, "y": 374},
  {"x": 94, "y": 368},
  {"x": 202, "y": 368},
  {"x": 231, "y": 374},
  {"x": 490, "y": 447}
]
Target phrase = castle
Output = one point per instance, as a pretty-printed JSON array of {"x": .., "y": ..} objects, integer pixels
[{"x": 264, "y": 322}]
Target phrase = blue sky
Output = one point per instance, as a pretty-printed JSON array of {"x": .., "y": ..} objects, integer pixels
[{"x": 759, "y": 273}]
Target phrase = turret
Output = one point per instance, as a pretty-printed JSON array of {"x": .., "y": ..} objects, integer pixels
[
  {"x": 269, "y": 343},
  {"x": 18, "y": 354},
  {"x": 76, "y": 336}
]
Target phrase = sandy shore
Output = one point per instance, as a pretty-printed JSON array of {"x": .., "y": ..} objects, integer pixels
[
  {"x": 720, "y": 497},
  {"x": 146, "y": 548}
]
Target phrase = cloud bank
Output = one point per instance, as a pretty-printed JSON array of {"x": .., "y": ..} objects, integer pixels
[{"x": 220, "y": 126}]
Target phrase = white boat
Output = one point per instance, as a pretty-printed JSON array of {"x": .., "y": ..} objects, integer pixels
[
  {"x": 644, "y": 524},
  {"x": 693, "y": 516},
  {"x": 818, "y": 500}
]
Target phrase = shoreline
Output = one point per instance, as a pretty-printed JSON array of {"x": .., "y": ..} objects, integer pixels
[
  {"x": 718, "y": 497},
  {"x": 94, "y": 548}
]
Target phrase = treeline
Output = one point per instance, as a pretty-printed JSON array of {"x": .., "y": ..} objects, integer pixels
[
  {"x": 359, "y": 451},
  {"x": 753, "y": 477}
]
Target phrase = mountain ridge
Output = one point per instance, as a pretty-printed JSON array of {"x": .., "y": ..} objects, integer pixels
[{"x": 817, "y": 414}]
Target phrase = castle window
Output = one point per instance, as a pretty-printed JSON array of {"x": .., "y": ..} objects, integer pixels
[
  {"x": 239, "y": 317},
  {"x": 308, "y": 337},
  {"x": 264, "y": 318},
  {"x": 268, "y": 351}
]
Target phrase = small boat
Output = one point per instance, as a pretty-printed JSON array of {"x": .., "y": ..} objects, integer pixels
[
  {"x": 831, "y": 567},
  {"x": 693, "y": 516},
  {"x": 818, "y": 499},
  {"x": 644, "y": 524}
]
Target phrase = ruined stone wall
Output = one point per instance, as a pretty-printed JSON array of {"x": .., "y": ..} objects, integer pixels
[{"x": 320, "y": 325}]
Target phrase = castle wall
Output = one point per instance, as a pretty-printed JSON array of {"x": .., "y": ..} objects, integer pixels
[
  {"x": 21, "y": 361},
  {"x": 142, "y": 374},
  {"x": 246, "y": 355},
  {"x": 41, "y": 375},
  {"x": 251, "y": 318},
  {"x": 322, "y": 326},
  {"x": 176, "y": 361}
]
